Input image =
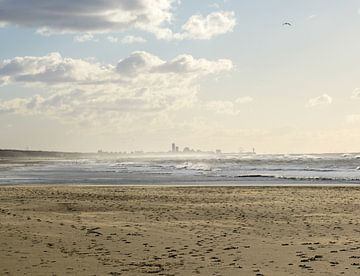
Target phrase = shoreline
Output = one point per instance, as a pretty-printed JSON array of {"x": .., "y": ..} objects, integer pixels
[{"x": 192, "y": 184}]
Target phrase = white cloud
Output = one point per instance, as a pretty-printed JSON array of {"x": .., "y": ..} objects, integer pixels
[
  {"x": 84, "y": 37},
  {"x": 321, "y": 100},
  {"x": 4, "y": 80},
  {"x": 198, "y": 27},
  {"x": 130, "y": 39},
  {"x": 138, "y": 87},
  {"x": 112, "y": 39},
  {"x": 356, "y": 94},
  {"x": 103, "y": 16},
  {"x": 187, "y": 64},
  {"x": 216, "y": 23},
  {"x": 138, "y": 62},
  {"x": 52, "y": 69}
]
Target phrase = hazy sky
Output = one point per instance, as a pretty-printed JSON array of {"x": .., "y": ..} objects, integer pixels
[{"x": 139, "y": 74}]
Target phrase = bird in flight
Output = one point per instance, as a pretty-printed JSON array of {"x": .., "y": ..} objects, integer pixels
[{"x": 287, "y": 24}]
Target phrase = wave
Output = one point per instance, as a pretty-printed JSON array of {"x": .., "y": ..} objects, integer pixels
[
  {"x": 256, "y": 176},
  {"x": 194, "y": 166},
  {"x": 287, "y": 169},
  {"x": 300, "y": 178}
]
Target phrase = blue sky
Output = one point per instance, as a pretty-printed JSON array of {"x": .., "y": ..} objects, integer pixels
[{"x": 219, "y": 74}]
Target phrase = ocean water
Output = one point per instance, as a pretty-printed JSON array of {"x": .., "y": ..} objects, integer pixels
[{"x": 187, "y": 170}]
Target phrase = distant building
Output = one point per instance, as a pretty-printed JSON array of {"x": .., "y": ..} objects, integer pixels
[
  {"x": 218, "y": 151},
  {"x": 173, "y": 147},
  {"x": 186, "y": 149},
  {"x": 177, "y": 149}
]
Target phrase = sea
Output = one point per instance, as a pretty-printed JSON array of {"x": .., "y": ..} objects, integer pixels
[{"x": 182, "y": 170}]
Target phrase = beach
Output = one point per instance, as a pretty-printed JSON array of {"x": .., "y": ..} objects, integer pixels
[{"x": 126, "y": 230}]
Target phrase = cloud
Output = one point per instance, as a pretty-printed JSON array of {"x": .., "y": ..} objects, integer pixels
[
  {"x": 129, "y": 39},
  {"x": 54, "y": 69},
  {"x": 199, "y": 27},
  {"x": 216, "y": 23},
  {"x": 85, "y": 16},
  {"x": 356, "y": 94},
  {"x": 103, "y": 16},
  {"x": 321, "y": 100},
  {"x": 137, "y": 87},
  {"x": 185, "y": 64},
  {"x": 138, "y": 62},
  {"x": 227, "y": 107},
  {"x": 84, "y": 37},
  {"x": 112, "y": 39},
  {"x": 51, "y": 69}
]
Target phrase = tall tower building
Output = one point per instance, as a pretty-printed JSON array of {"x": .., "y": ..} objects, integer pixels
[{"x": 173, "y": 147}]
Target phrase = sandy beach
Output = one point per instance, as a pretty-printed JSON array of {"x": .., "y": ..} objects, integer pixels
[{"x": 82, "y": 230}]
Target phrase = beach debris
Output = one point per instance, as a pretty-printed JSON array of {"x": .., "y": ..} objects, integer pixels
[{"x": 94, "y": 231}]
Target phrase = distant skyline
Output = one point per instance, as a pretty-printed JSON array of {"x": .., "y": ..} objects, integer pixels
[{"x": 125, "y": 75}]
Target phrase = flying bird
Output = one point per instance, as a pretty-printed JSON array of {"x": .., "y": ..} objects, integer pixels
[{"x": 287, "y": 24}]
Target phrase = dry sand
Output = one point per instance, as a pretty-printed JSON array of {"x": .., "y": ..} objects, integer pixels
[{"x": 179, "y": 231}]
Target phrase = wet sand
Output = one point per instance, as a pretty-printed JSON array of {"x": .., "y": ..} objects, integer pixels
[{"x": 71, "y": 230}]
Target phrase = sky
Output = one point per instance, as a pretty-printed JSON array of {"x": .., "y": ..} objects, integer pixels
[{"x": 124, "y": 75}]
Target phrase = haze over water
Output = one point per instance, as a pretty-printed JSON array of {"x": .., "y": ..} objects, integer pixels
[{"x": 188, "y": 170}]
